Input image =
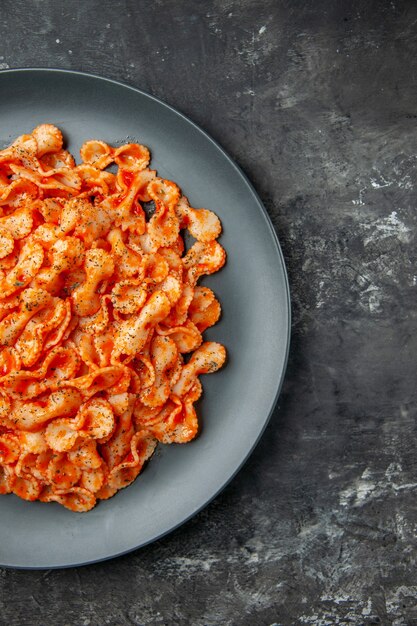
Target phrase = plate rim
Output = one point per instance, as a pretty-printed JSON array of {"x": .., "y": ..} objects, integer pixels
[{"x": 239, "y": 171}]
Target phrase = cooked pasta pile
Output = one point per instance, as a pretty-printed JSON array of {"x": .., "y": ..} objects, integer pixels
[{"x": 98, "y": 305}]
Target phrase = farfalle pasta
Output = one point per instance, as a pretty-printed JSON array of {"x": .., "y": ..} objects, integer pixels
[{"x": 101, "y": 317}]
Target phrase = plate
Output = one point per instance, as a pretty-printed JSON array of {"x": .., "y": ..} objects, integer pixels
[{"x": 252, "y": 288}]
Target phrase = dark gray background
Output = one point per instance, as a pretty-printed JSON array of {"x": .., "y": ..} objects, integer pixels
[{"x": 316, "y": 100}]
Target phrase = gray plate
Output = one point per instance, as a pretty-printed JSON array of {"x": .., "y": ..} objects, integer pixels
[{"x": 252, "y": 289}]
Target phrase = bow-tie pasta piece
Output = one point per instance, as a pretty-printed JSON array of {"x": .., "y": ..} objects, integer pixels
[
  {"x": 102, "y": 379},
  {"x": 129, "y": 296},
  {"x": 30, "y": 303},
  {"x": 202, "y": 224},
  {"x": 187, "y": 337},
  {"x": 118, "y": 447},
  {"x": 165, "y": 361},
  {"x": 163, "y": 227},
  {"x": 19, "y": 223},
  {"x": 128, "y": 261},
  {"x": 6, "y": 243},
  {"x": 64, "y": 255},
  {"x": 9, "y": 448},
  {"x": 99, "y": 322},
  {"x": 39, "y": 332},
  {"x": 142, "y": 447},
  {"x": 126, "y": 207},
  {"x": 208, "y": 358},
  {"x": 32, "y": 415},
  {"x": 57, "y": 160},
  {"x": 85, "y": 220},
  {"x": 132, "y": 157},
  {"x": 48, "y": 139},
  {"x": 61, "y": 179},
  {"x": 96, "y": 419},
  {"x": 98, "y": 266},
  {"x": 133, "y": 333},
  {"x": 17, "y": 192},
  {"x": 204, "y": 310},
  {"x": 61, "y": 435},
  {"x": 181, "y": 424},
  {"x": 203, "y": 258},
  {"x": 85, "y": 454},
  {"x": 96, "y": 183},
  {"x": 75, "y": 499},
  {"x": 9, "y": 361},
  {"x": 28, "y": 264},
  {"x": 97, "y": 153},
  {"x": 7, "y": 478}
]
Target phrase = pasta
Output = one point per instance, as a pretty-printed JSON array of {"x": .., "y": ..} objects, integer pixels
[{"x": 99, "y": 308}]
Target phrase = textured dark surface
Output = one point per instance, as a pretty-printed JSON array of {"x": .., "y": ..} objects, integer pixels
[{"x": 316, "y": 100}]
